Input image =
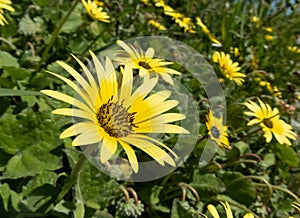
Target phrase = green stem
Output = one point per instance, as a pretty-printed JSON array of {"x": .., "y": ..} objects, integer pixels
[
  {"x": 54, "y": 36},
  {"x": 286, "y": 191},
  {"x": 73, "y": 177}
]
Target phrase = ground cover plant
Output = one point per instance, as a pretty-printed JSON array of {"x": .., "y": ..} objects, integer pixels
[{"x": 58, "y": 96}]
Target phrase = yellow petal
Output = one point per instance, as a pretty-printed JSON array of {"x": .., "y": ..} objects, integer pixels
[
  {"x": 108, "y": 148},
  {"x": 67, "y": 99},
  {"x": 86, "y": 138},
  {"x": 74, "y": 113},
  {"x": 213, "y": 211},
  {"x": 77, "y": 128},
  {"x": 131, "y": 156}
]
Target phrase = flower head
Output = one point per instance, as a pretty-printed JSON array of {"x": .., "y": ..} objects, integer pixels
[
  {"x": 213, "y": 211},
  {"x": 270, "y": 122},
  {"x": 206, "y": 30},
  {"x": 5, "y": 4},
  {"x": 95, "y": 12},
  {"x": 216, "y": 130},
  {"x": 229, "y": 68},
  {"x": 144, "y": 62},
  {"x": 156, "y": 25},
  {"x": 254, "y": 19},
  {"x": 111, "y": 115}
]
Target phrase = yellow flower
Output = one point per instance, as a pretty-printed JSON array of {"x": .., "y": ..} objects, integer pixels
[
  {"x": 206, "y": 30},
  {"x": 213, "y": 211},
  {"x": 146, "y": 2},
  {"x": 156, "y": 25},
  {"x": 228, "y": 68},
  {"x": 270, "y": 122},
  {"x": 217, "y": 131},
  {"x": 294, "y": 49},
  {"x": 5, "y": 4},
  {"x": 99, "y": 3},
  {"x": 269, "y": 37},
  {"x": 268, "y": 29},
  {"x": 144, "y": 62},
  {"x": 254, "y": 19},
  {"x": 235, "y": 51},
  {"x": 95, "y": 11},
  {"x": 111, "y": 114}
]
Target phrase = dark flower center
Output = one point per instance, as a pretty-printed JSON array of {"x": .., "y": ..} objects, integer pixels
[
  {"x": 115, "y": 119},
  {"x": 145, "y": 65},
  {"x": 268, "y": 123},
  {"x": 215, "y": 132}
]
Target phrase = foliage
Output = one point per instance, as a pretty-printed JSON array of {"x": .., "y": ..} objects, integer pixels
[{"x": 37, "y": 168}]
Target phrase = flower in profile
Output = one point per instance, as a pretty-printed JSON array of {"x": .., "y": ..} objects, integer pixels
[
  {"x": 206, "y": 30},
  {"x": 183, "y": 21},
  {"x": 213, "y": 211},
  {"x": 95, "y": 11},
  {"x": 229, "y": 68},
  {"x": 217, "y": 130},
  {"x": 270, "y": 122},
  {"x": 269, "y": 37},
  {"x": 156, "y": 25},
  {"x": 5, "y": 4},
  {"x": 112, "y": 114},
  {"x": 144, "y": 62}
]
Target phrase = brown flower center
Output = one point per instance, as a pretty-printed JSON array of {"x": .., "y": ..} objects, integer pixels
[
  {"x": 268, "y": 123},
  {"x": 145, "y": 65},
  {"x": 215, "y": 132},
  {"x": 115, "y": 119}
]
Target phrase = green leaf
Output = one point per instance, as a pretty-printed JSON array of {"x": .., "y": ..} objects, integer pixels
[
  {"x": 14, "y": 92},
  {"x": 207, "y": 184},
  {"x": 73, "y": 21},
  {"x": 182, "y": 209},
  {"x": 102, "y": 214},
  {"x": 286, "y": 154},
  {"x": 5, "y": 193},
  {"x": 97, "y": 188},
  {"x": 37, "y": 135},
  {"x": 269, "y": 159},
  {"x": 41, "y": 3},
  {"x": 79, "y": 211},
  {"x": 7, "y": 60},
  {"x": 238, "y": 187},
  {"x": 17, "y": 73},
  {"x": 27, "y": 26}
]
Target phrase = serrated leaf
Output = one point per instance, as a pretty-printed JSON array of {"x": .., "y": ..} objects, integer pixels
[
  {"x": 238, "y": 187},
  {"x": 73, "y": 21},
  {"x": 286, "y": 154},
  {"x": 182, "y": 209},
  {"x": 7, "y": 60},
  {"x": 97, "y": 188},
  {"x": 27, "y": 26},
  {"x": 38, "y": 181},
  {"x": 30, "y": 138}
]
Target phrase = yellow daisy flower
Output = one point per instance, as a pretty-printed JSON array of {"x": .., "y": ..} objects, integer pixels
[
  {"x": 115, "y": 115},
  {"x": 5, "y": 4},
  {"x": 228, "y": 68},
  {"x": 270, "y": 122},
  {"x": 144, "y": 62},
  {"x": 206, "y": 30},
  {"x": 95, "y": 11},
  {"x": 213, "y": 211},
  {"x": 255, "y": 19},
  {"x": 217, "y": 131},
  {"x": 156, "y": 25}
]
